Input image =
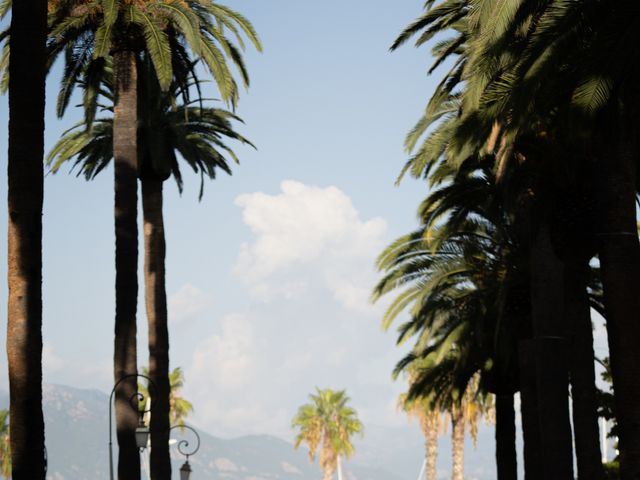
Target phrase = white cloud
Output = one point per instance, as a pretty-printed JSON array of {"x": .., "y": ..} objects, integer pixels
[
  {"x": 309, "y": 233},
  {"x": 187, "y": 303},
  {"x": 51, "y": 362},
  {"x": 225, "y": 360},
  {"x": 221, "y": 379},
  {"x": 66, "y": 370},
  {"x": 297, "y": 361},
  {"x": 308, "y": 266}
]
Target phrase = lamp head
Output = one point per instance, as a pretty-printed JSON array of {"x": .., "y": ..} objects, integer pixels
[
  {"x": 185, "y": 471},
  {"x": 142, "y": 435}
]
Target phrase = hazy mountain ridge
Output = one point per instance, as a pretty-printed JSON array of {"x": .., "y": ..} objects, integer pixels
[{"x": 77, "y": 438}]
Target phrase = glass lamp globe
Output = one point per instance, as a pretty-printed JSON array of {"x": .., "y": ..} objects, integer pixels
[{"x": 185, "y": 471}]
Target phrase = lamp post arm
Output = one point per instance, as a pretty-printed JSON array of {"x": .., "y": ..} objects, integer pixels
[
  {"x": 113, "y": 391},
  {"x": 185, "y": 443}
]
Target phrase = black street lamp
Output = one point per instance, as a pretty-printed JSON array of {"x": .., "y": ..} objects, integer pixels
[
  {"x": 185, "y": 469},
  {"x": 142, "y": 431}
]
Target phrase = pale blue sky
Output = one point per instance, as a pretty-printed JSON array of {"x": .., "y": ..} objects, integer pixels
[
  {"x": 256, "y": 327},
  {"x": 328, "y": 107}
]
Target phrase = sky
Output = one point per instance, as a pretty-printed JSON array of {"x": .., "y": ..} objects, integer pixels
[{"x": 269, "y": 276}]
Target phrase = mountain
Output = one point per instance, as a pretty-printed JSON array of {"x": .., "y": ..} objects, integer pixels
[{"x": 77, "y": 437}]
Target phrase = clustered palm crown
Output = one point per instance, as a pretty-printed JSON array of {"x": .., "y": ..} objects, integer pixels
[
  {"x": 171, "y": 127},
  {"x": 88, "y": 30},
  {"x": 527, "y": 148},
  {"x": 327, "y": 423}
]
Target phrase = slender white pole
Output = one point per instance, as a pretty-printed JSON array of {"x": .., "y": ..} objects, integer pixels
[
  {"x": 339, "y": 468},
  {"x": 603, "y": 432},
  {"x": 110, "y": 434},
  {"x": 147, "y": 457},
  {"x": 146, "y": 461},
  {"x": 423, "y": 472}
]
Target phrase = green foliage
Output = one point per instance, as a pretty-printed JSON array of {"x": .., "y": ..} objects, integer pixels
[
  {"x": 5, "y": 446},
  {"x": 163, "y": 28},
  {"x": 612, "y": 470},
  {"x": 179, "y": 408},
  {"x": 327, "y": 422},
  {"x": 5, "y": 7},
  {"x": 535, "y": 94},
  {"x": 171, "y": 127},
  {"x": 605, "y": 399},
  {"x": 458, "y": 278}
]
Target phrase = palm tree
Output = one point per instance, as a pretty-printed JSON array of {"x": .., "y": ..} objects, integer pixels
[
  {"x": 88, "y": 33},
  {"x": 576, "y": 60},
  {"x": 99, "y": 29},
  {"x": 166, "y": 132},
  {"x": 438, "y": 392},
  {"x": 25, "y": 196},
  {"x": 461, "y": 132},
  {"x": 466, "y": 412},
  {"x": 461, "y": 281},
  {"x": 5, "y": 445},
  {"x": 430, "y": 419},
  {"x": 330, "y": 423},
  {"x": 180, "y": 408}
]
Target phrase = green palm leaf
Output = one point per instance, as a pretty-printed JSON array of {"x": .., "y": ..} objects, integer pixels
[
  {"x": 157, "y": 43},
  {"x": 592, "y": 94}
]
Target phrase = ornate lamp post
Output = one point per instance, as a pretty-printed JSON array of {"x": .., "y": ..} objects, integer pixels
[
  {"x": 185, "y": 469},
  {"x": 142, "y": 431}
]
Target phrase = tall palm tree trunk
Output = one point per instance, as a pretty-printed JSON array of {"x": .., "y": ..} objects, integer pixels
[
  {"x": 328, "y": 457},
  {"x": 582, "y": 373},
  {"x": 457, "y": 444},
  {"x": 156, "y": 304},
  {"x": 25, "y": 196},
  {"x": 619, "y": 251},
  {"x": 126, "y": 229},
  {"x": 552, "y": 378},
  {"x": 430, "y": 430},
  {"x": 529, "y": 410},
  {"x": 506, "y": 457}
]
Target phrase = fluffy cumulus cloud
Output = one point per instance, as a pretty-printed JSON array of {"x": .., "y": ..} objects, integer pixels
[
  {"x": 59, "y": 368},
  {"x": 308, "y": 269},
  {"x": 225, "y": 360},
  {"x": 187, "y": 303},
  {"x": 224, "y": 381},
  {"x": 312, "y": 229},
  {"x": 51, "y": 362}
]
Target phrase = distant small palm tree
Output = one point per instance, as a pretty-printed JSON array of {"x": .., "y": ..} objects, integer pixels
[
  {"x": 329, "y": 422},
  {"x": 467, "y": 412},
  {"x": 431, "y": 422},
  {"x": 179, "y": 408},
  {"x": 5, "y": 447}
]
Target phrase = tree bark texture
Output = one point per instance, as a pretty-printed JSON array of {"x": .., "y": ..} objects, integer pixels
[
  {"x": 457, "y": 444},
  {"x": 552, "y": 378},
  {"x": 156, "y": 305},
  {"x": 25, "y": 196},
  {"x": 619, "y": 251},
  {"x": 582, "y": 372},
  {"x": 506, "y": 456},
  {"x": 126, "y": 232},
  {"x": 529, "y": 410},
  {"x": 429, "y": 424},
  {"x": 431, "y": 430},
  {"x": 328, "y": 457}
]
